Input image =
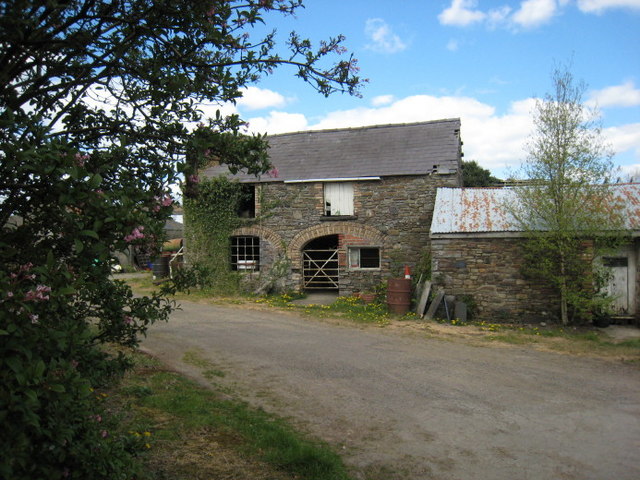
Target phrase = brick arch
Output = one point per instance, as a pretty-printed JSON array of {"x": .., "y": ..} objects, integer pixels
[
  {"x": 264, "y": 233},
  {"x": 333, "y": 228}
]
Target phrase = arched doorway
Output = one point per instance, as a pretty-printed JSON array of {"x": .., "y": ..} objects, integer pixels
[{"x": 320, "y": 266}]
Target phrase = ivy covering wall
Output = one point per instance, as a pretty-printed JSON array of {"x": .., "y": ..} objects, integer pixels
[{"x": 211, "y": 215}]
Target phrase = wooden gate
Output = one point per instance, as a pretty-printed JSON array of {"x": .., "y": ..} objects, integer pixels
[{"x": 320, "y": 269}]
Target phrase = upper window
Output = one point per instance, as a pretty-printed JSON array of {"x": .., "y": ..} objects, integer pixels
[
  {"x": 247, "y": 203},
  {"x": 245, "y": 253},
  {"x": 364, "y": 257},
  {"x": 338, "y": 199}
]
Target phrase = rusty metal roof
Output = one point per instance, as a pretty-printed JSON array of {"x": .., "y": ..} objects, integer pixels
[
  {"x": 373, "y": 151},
  {"x": 482, "y": 210}
]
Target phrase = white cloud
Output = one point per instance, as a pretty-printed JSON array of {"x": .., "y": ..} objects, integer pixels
[
  {"x": 631, "y": 172},
  {"x": 599, "y": 6},
  {"x": 530, "y": 13},
  {"x": 498, "y": 16},
  {"x": 278, "y": 122},
  {"x": 625, "y": 95},
  {"x": 254, "y": 98},
  {"x": 624, "y": 137},
  {"x": 453, "y": 45},
  {"x": 382, "y": 100},
  {"x": 209, "y": 109},
  {"x": 461, "y": 13},
  {"x": 533, "y": 13},
  {"x": 382, "y": 39},
  {"x": 495, "y": 141}
]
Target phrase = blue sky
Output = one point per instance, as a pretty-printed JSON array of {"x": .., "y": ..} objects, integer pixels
[{"x": 481, "y": 60}]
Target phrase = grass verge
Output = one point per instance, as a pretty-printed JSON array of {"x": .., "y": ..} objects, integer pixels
[
  {"x": 582, "y": 341},
  {"x": 192, "y": 433}
]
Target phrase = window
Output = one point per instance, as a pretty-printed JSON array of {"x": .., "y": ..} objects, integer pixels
[
  {"x": 338, "y": 199},
  {"x": 245, "y": 253},
  {"x": 362, "y": 257},
  {"x": 247, "y": 203},
  {"x": 613, "y": 262}
]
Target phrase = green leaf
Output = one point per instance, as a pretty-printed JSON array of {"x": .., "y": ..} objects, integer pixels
[
  {"x": 31, "y": 395},
  {"x": 3, "y": 332},
  {"x": 50, "y": 259},
  {"x": 95, "y": 181},
  {"x": 14, "y": 363},
  {"x": 39, "y": 369},
  {"x": 79, "y": 245},
  {"x": 57, "y": 388},
  {"x": 90, "y": 233}
]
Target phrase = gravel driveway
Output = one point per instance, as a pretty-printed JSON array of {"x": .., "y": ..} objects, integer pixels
[{"x": 405, "y": 407}]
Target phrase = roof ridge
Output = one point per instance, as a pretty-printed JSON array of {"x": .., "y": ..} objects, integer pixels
[{"x": 366, "y": 127}]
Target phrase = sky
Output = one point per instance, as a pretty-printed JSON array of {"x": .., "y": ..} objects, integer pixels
[{"x": 483, "y": 61}]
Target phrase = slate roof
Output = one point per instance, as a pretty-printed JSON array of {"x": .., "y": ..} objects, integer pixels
[
  {"x": 375, "y": 151},
  {"x": 481, "y": 210}
]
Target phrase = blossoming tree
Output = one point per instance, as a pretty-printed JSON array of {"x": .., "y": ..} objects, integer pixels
[{"x": 96, "y": 100}]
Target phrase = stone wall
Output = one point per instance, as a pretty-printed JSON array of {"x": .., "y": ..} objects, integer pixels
[
  {"x": 488, "y": 270},
  {"x": 393, "y": 213}
]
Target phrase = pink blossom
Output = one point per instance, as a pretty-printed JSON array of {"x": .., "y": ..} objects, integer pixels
[
  {"x": 194, "y": 179},
  {"x": 34, "y": 318},
  {"x": 273, "y": 173},
  {"x": 9, "y": 294},
  {"x": 104, "y": 434},
  {"x": 166, "y": 201},
  {"x": 128, "y": 320},
  {"x": 38, "y": 295},
  {"x": 79, "y": 159},
  {"x": 135, "y": 234}
]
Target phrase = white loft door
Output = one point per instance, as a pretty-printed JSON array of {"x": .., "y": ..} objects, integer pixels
[{"x": 338, "y": 199}]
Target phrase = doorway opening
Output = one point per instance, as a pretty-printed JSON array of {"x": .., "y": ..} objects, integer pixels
[{"x": 320, "y": 266}]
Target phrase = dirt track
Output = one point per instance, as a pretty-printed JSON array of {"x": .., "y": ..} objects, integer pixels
[{"x": 403, "y": 407}]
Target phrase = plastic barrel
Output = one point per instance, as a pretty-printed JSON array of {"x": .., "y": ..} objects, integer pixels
[{"x": 399, "y": 295}]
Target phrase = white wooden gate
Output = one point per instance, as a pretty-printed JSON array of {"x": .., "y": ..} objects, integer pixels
[{"x": 320, "y": 269}]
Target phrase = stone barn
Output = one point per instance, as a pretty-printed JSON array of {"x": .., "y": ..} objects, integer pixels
[
  {"x": 347, "y": 208},
  {"x": 476, "y": 252}
]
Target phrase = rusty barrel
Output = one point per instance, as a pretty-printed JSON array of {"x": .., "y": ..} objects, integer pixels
[{"x": 399, "y": 295}]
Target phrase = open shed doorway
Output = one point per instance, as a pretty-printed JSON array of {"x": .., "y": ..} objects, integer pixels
[{"x": 320, "y": 267}]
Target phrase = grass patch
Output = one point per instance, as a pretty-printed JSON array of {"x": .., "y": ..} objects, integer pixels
[
  {"x": 192, "y": 433},
  {"x": 586, "y": 341},
  {"x": 351, "y": 308}
]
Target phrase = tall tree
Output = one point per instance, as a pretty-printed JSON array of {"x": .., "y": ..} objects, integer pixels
[
  {"x": 566, "y": 207},
  {"x": 96, "y": 99},
  {"x": 473, "y": 175}
]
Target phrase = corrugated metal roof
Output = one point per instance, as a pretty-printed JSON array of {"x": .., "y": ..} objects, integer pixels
[
  {"x": 482, "y": 210},
  {"x": 383, "y": 150}
]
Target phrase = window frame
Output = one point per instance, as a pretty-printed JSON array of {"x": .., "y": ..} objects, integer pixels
[
  {"x": 248, "y": 259},
  {"x": 351, "y": 252}
]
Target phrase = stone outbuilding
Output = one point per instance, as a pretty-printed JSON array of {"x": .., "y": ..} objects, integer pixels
[
  {"x": 477, "y": 253},
  {"x": 344, "y": 209}
]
